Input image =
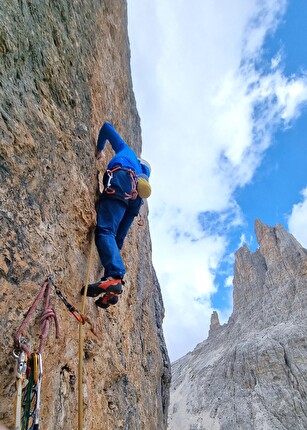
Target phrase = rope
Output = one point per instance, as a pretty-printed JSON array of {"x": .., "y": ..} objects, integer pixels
[
  {"x": 48, "y": 315},
  {"x": 80, "y": 367}
]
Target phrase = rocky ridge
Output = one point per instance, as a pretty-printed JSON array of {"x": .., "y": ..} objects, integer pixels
[
  {"x": 64, "y": 70},
  {"x": 250, "y": 373}
]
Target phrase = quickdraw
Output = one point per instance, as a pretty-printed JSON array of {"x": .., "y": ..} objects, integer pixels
[
  {"x": 27, "y": 402},
  {"x": 21, "y": 364},
  {"x": 38, "y": 392},
  {"x": 31, "y": 400},
  {"x": 76, "y": 313}
]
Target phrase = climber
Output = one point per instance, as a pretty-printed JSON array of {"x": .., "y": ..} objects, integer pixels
[{"x": 125, "y": 185}]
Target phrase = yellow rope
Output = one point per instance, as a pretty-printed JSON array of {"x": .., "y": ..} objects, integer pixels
[{"x": 80, "y": 368}]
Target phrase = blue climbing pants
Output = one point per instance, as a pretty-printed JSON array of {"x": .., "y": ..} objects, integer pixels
[{"x": 114, "y": 218}]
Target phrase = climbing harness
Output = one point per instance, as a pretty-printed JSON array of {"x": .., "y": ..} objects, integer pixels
[
  {"x": 133, "y": 195},
  {"x": 76, "y": 313}
]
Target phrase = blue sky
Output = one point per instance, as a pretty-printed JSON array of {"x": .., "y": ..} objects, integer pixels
[{"x": 221, "y": 92}]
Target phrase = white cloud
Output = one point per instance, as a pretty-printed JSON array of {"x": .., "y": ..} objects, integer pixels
[
  {"x": 297, "y": 221},
  {"x": 275, "y": 62},
  {"x": 229, "y": 281},
  {"x": 208, "y": 107}
]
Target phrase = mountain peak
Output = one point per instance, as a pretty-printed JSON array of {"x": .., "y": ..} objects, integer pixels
[{"x": 250, "y": 374}]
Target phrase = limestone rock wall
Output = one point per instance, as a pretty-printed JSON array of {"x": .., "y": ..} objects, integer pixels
[
  {"x": 250, "y": 374},
  {"x": 64, "y": 70}
]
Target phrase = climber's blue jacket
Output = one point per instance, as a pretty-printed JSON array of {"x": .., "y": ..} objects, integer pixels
[{"x": 124, "y": 155}]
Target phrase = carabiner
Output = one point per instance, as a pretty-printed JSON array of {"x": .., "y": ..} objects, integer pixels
[
  {"x": 110, "y": 174},
  {"x": 79, "y": 317}
]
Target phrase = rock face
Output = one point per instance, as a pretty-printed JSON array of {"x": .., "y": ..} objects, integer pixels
[
  {"x": 250, "y": 373},
  {"x": 64, "y": 70}
]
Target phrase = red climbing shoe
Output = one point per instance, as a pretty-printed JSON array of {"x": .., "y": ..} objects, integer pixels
[
  {"x": 107, "y": 300},
  {"x": 105, "y": 285}
]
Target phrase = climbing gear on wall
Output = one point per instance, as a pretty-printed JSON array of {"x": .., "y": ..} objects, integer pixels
[
  {"x": 29, "y": 365},
  {"x": 27, "y": 403},
  {"x": 37, "y": 389},
  {"x": 77, "y": 314},
  {"x": 31, "y": 402},
  {"x": 48, "y": 315},
  {"x": 21, "y": 364}
]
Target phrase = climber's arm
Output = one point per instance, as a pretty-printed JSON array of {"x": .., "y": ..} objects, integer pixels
[{"x": 108, "y": 132}]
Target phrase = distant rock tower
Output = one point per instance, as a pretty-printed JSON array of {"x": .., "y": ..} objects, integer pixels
[
  {"x": 215, "y": 323},
  {"x": 250, "y": 374}
]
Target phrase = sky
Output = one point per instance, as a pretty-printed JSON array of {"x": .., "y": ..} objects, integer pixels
[{"x": 221, "y": 89}]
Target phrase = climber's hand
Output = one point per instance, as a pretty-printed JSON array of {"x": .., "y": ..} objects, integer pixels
[{"x": 100, "y": 156}]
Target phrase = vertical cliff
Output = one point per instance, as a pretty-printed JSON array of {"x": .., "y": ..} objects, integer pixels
[
  {"x": 250, "y": 374},
  {"x": 64, "y": 70}
]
